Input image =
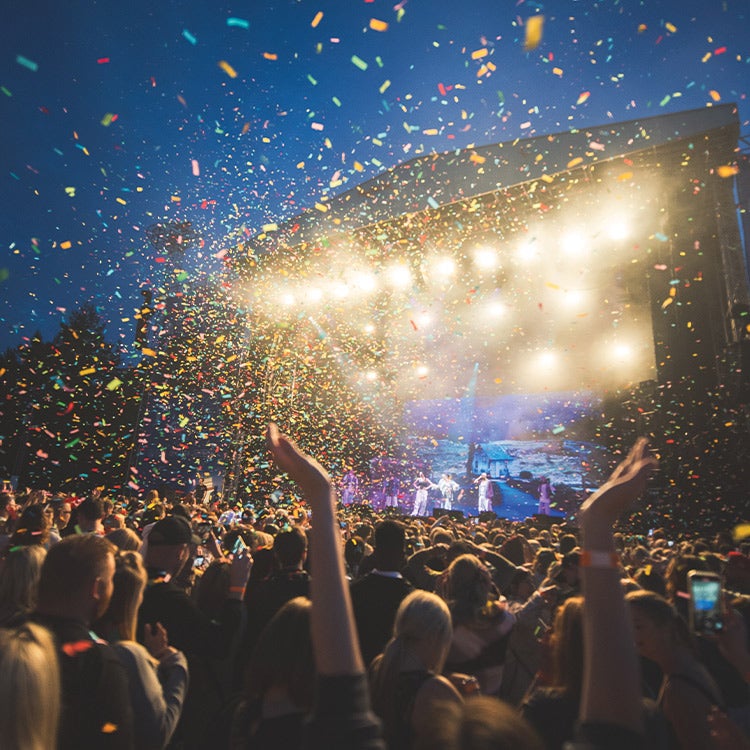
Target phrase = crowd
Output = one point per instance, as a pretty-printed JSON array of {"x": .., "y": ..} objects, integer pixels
[{"x": 149, "y": 624}]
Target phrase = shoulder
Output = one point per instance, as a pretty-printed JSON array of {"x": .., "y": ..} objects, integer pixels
[{"x": 436, "y": 689}]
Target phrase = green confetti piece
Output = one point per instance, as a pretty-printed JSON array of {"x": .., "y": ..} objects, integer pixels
[
  {"x": 312, "y": 80},
  {"x": 359, "y": 62},
  {"x": 336, "y": 101},
  {"x": 5, "y": 91},
  {"x": 114, "y": 384}
]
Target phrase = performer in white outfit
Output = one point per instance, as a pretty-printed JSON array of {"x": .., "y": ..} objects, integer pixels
[
  {"x": 448, "y": 489},
  {"x": 484, "y": 492},
  {"x": 349, "y": 487},
  {"x": 422, "y": 485}
]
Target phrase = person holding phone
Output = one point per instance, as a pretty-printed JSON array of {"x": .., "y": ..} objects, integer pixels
[{"x": 687, "y": 693}]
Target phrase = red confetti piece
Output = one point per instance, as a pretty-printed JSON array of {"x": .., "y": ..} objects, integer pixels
[{"x": 103, "y": 60}]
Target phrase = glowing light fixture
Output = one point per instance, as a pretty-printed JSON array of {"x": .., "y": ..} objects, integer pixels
[
  {"x": 573, "y": 243},
  {"x": 617, "y": 228},
  {"x": 485, "y": 258},
  {"x": 399, "y": 276}
]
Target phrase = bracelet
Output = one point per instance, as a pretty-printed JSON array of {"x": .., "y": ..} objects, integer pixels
[
  {"x": 591, "y": 558},
  {"x": 236, "y": 589}
]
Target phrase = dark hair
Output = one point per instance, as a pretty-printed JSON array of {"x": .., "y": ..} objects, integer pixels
[
  {"x": 290, "y": 547},
  {"x": 390, "y": 545},
  {"x": 91, "y": 509}
]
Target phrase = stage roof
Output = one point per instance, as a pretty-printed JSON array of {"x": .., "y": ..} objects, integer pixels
[{"x": 435, "y": 180}]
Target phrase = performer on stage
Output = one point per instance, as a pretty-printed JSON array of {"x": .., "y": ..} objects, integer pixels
[
  {"x": 484, "y": 492},
  {"x": 390, "y": 490},
  {"x": 349, "y": 487},
  {"x": 448, "y": 489},
  {"x": 422, "y": 484},
  {"x": 545, "y": 496}
]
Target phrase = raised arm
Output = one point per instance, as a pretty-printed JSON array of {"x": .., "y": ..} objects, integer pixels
[
  {"x": 611, "y": 673},
  {"x": 334, "y": 634}
]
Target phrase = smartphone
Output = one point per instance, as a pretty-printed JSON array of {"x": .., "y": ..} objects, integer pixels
[
  {"x": 198, "y": 562},
  {"x": 704, "y": 589},
  {"x": 239, "y": 546}
]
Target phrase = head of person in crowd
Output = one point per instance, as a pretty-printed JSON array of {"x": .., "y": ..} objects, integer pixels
[
  {"x": 152, "y": 498},
  {"x": 737, "y": 573},
  {"x": 542, "y": 561},
  {"x": 169, "y": 545},
  {"x": 481, "y": 723},
  {"x": 89, "y": 516},
  {"x": 290, "y": 548},
  {"x": 29, "y": 688},
  {"x": 32, "y": 527},
  {"x": 567, "y": 647},
  {"x": 153, "y": 513},
  {"x": 19, "y": 581},
  {"x": 676, "y": 575},
  {"x": 281, "y": 668},
  {"x": 521, "y": 585},
  {"x": 125, "y": 539},
  {"x": 657, "y": 627},
  {"x": 212, "y": 588},
  {"x": 390, "y": 545},
  {"x": 468, "y": 588},
  {"x": 513, "y": 549},
  {"x": 354, "y": 552},
  {"x": 61, "y": 511},
  {"x": 567, "y": 543},
  {"x": 650, "y": 579},
  {"x": 77, "y": 578},
  {"x": 119, "y": 621},
  {"x": 422, "y": 634}
]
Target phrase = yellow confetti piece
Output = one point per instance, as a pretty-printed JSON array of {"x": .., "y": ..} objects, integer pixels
[
  {"x": 175, "y": 198},
  {"x": 148, "y": 352},
  {"x": 227, "y": 68},
  {"x": 477, "y": 158},
  {"x": 624, "y": 176},
  {"x": 87, "y": 371},
  {"x": 667, "y": 302},
  {"x": 548, "y": 178},
  {"x": 478, "y": 54},
  {"x": 715, "y": 95},
  {"x": 318, "y": 18},
  {"x": 270, "y": 227},
  {"x": 121, "y": 201},
  {"x": 706, "y": 57},
  {"x": 741, "y": 531},
  {"x": 109, "y": 728},
  {"x": 583, "y": 97},
  {"x": 727, "y": 170},
  {"x": 321, "y": 207},
  {"x": 107, "y": 119},
  {"x": 534, "y": 28},
  {"x": 557, "y": 71},
  {"x": 114, "y": 384},
  {"x": 384, "y": 86},
  {"x": 376, "y": 25},
  {"x": 430, "y": 131},
  {"x": 270, "y": 56},
  {"x": 66, "y": 245},
  {"x": 358, "y": 167},
  {"x": 670, "y": 27},
  {"x": 575, "y": 162},
  {"x": 642, "y": 27}
]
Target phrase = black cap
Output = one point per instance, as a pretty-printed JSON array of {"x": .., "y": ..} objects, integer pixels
[{"x": 172, "y": 530}]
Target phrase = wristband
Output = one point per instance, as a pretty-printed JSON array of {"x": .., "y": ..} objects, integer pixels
[{"x": 591, "y": 558}]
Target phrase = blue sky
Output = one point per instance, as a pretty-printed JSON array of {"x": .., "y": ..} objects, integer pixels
[{"x": 233, "y": 115}]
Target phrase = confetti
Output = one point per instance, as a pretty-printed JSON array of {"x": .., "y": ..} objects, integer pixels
[
  {"x": 359, "y": 62},
  {"x": 534, "y": 28},
  {"x": 227, "y": 68},
  {"x": 190, "y": 38},
  {"x": 376, "y": 25},
  {"x": 239, "y": 23},
  {"x": 26, "y": 63},
  {"x": 317, "y": 19}
]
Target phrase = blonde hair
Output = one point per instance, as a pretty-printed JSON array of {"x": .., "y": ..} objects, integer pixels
[
  {"x": 422, "y": 616},
  {"x": 19, "y": 580},
  {"x": 29, "y": 689},
  {"x": 120, "y": 620}
]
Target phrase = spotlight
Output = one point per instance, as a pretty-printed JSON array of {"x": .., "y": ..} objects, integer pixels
[
  {"x": 547, "y": 358},
  {"x": 340, "y": 290},
  {"x": 313, "y": 295},
  {"x": 399, "y": 276},
  {"x": 496, "y": 309},
  {"x": 444, "y": 267},
  {"x": 369, "y": 328},
  {"x": 371, "y": 376},
  {"x": 364, "y": 281},
  {"x": 526, "y": 251},
  {"x": 485, "y": 258},
  {"x": 287, "y": 299},
  {"x": 617, "y": 228},
  {"x": 622, "y": 352},
  {"x": 573, "y": 243},
  {"x": 422, "y": 371},
  {"x": 423, "y": 319}
]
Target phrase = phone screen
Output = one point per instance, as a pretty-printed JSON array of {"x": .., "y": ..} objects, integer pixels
[{"x": 705, "y": 604}]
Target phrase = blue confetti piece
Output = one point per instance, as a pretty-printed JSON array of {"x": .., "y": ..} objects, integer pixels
[
  {"x": 189, "y": 37},
  {"x": 238, "y": 22},
  {"x": 30, "y": 64},
  {"x": 433, "y": 203},
  {"x": 661, "y": 237}
]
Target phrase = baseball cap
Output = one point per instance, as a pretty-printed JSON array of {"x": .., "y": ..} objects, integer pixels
[{"x": 172, "y": 530}]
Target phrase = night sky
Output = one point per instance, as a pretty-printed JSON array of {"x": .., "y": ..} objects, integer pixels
[{"x": 234, "y": 115}]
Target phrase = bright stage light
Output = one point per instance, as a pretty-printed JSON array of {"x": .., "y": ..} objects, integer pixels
[
  {"x": 371, "y": 376},
  {"x": 623, "y": 352},
  {"x": 422, "y": 371},
  {"x": 526, "y": 251},
  {"x": 369, "y": 328},
  {"x": 573, "y": 243},
  {"x": 399, "y": 276},
  {"x": 496, "y": 309},
  {"x": 617, "y": 228},
  {"x": 574, "y": 298},
  {"x": 547, "y": 358},
  {"x": 363, "y": 281},
  {"x": 313, "y": 295},
  {"x": 444, "y": 267},
  {"x": 287, "y": 299},
  {"x": 423, "y": 319},
  {"x": 340, "y": 290},
  {"x": 485, "y": 258}
]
